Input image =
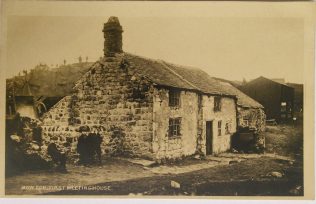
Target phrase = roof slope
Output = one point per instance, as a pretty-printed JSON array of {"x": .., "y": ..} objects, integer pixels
[
  {"x": 242, "y": 99},
  {"x": 261, "y": 78},
  {"x": 167, "y": 74}
]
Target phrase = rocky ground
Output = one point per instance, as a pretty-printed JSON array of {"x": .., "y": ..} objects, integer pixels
[
  {"x": 228, "y": 174},
  {"x": 256, "y": 176}
]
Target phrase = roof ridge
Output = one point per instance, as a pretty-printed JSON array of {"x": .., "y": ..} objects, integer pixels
[
  {"x": 284, "y": 84},
  {"x": 178, "y": 75}
]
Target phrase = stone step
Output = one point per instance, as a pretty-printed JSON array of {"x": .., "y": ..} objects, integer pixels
[
  {"x": 183, "y": 169},
  {"x": 142, "y": 162}
]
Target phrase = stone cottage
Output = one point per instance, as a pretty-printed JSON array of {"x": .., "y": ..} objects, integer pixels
[{"x": 144, "y": 107}]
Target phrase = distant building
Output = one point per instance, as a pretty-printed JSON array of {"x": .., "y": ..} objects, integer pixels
[
  {"x": 298, "y": 96},
  {"x": 276, "y": 97}
]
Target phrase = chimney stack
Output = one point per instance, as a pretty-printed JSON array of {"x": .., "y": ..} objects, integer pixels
[{"x": 112, "y": 37}]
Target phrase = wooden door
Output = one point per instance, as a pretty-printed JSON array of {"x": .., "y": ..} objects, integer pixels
[{"x": 209, "y": 137}]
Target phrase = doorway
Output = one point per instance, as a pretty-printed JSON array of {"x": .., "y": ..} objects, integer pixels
[{"x": 209, "y": 137}]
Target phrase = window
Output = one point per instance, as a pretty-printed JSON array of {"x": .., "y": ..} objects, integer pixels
[
  {"x": 174, "y": 98},
  {"x": 217, "y": 103},
  {"x": 219, "y": 128},
  {"x": 227, "y": 128},
  {"x": 283, "y": 106},
  {"x": 174, "y": 127}
]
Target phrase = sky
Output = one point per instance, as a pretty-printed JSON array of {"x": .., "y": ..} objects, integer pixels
[{"x": 224, "y": 46}]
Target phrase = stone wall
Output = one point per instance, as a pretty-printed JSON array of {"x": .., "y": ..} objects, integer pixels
[
  {"x": 113, "y": 99},
  {"x": 227, "y": 114},
  {"x": 174, "y": 147},
  {"x": 56, "y": 128},
  {"x": 194, "y": 111},
  {"x": 251, "y": 117}
]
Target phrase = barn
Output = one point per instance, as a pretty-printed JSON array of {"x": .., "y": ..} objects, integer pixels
[{"x": 276, "y": 97}]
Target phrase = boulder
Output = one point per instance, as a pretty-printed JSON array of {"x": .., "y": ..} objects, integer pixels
[
  {"x": 35, "y": 146},
  {"x": 276, "y": 174},
  {"x": 296, "y": 191},
  {"x": 175, "y": 184},
  {"x": 233, "y": 162},
  {"x": 15, "y": 138},
  {"x": 198, "y": 157},
  {"x": 234, "y": 150}
]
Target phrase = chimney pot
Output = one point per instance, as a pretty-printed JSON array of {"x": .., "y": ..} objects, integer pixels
[{"x": 112, "y": 37}]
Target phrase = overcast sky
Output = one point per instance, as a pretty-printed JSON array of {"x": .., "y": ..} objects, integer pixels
[{"x": 228, "y": 47}]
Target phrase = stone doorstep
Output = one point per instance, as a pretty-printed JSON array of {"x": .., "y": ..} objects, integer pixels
[
  {"x": 142, "y": 162},
  {"x": 240, "y": 156},
  {"x": 183, "y": 169},
  {"x": 224, "y": 160}
]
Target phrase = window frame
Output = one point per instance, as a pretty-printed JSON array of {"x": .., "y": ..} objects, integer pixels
[
  {"x": 174, "y": 126},
  {"x": 283, "y": 107},
  {"x": 217, "y": 103},
  {"x": 219, "y": 128},
  {"x": 227, "y": 128},
  {"x": 174, "y": 98}
]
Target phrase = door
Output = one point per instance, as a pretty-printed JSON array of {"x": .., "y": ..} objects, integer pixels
[{"x": 209, "y": 137}]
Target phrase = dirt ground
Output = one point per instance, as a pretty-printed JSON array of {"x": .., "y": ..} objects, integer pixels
[
  {"x": 285, "y": 140},
  {"x": 112, "y": 169},
  {"x": 119, "y": 177},
  {"x": 250, "y": 177}
]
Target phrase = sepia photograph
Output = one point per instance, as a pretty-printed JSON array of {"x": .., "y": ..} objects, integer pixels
[{"x": 174, "y": 99}]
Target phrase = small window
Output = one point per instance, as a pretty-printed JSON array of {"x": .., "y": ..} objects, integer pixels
[
  {"x": 217, "y": 103},
  {"x": 219, "y": 128},
  {"x": 174, "y": 127},
  {"x": 283, "y": 106},
  {"x": 227, "y": 128},
  {"x": 174, "y": 98}
]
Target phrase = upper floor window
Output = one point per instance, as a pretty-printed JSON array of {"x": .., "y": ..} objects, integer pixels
[
  {"x": 174, "y": 98},
  {"x": 217, "y": 103},
  {"x": 174, "y": 127}
]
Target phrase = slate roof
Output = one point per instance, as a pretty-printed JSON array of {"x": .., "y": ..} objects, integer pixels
[
  {"x": 178, "y": 76},
  {"x": 242, "y": 99},
  {"x": 168, "y": 74},
  {"x": 273, "y": 80}
]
